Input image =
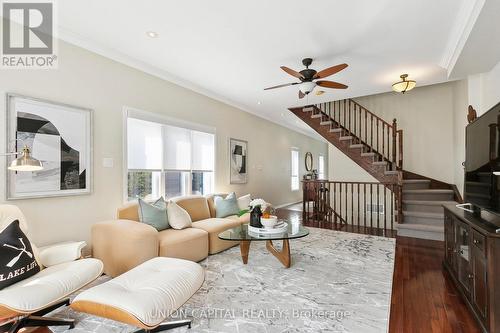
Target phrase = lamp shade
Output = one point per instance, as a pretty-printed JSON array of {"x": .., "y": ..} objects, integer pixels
[
  {"x": 25, "y": 162},
  {"x": 404, "y": 85},
  {"x": 307, "y": 87}
]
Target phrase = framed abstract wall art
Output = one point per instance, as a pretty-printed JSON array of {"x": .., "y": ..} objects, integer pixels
[
  {"x": 238, "y": 161},
  {"x": 60, "y": 136}
]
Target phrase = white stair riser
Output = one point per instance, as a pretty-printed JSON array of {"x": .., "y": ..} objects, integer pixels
[
  {"x": 428, "y": 196},
  {"x": 423, "y": 208},
  {"x": 423, "y": 220},
  {"x": 415, "y": 186}
]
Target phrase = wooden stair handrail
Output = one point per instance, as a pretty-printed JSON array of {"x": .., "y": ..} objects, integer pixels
[
  {"x": 346, "y": 203},
  {"x": 382, "y": 137},
  {"x": 370, "y": 113}
]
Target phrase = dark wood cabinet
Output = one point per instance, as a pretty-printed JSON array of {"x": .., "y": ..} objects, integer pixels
[{"x": 472, "y": 257}]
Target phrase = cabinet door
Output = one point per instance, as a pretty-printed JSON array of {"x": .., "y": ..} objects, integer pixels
[
  {"x": 463, "y": 241},
  {"x": 449, "y": 238},
  {"x": 479, "y": 278}
]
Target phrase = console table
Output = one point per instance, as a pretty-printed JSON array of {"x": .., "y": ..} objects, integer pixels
[{"x": 472, "y": 257}]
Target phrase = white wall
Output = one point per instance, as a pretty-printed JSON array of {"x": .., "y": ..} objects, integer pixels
[
  {"x": 460, "y": 103},
  {"x": 484, "y": 92},
  {"x": 89, "y": 80},
  {"x": 433, "y": 119},
  {"x": 342, "y": 168}
]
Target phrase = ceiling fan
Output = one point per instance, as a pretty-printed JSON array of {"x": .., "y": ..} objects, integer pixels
[{"x": 308, "y": 76}]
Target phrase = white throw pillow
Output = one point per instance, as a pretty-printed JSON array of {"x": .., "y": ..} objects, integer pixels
[
  {"x": 178, "y": 218},
  {"x": 244, "y": 201}
]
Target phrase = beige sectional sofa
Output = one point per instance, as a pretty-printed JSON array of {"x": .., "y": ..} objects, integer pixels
[{"x": 124, "y": 243}]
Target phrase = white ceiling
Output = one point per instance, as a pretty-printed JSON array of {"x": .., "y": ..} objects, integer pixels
[{"x": 231, "y": 50}]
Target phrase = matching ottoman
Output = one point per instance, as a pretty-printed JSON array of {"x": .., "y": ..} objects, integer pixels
[{"x": 146, "y": 295}]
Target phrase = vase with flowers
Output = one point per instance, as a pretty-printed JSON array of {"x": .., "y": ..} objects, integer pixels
[{"x": 259, "y": 209}]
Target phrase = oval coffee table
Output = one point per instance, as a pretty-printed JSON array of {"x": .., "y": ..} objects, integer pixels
[{"x": 242, "y": 235}]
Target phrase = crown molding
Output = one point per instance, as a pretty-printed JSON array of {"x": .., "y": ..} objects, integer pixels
[
  {"x": 115, "y": 55},
  {"x": 464, "y": 23}
]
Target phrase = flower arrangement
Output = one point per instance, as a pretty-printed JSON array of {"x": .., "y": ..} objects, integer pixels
[{"x": 265, "y": 207}]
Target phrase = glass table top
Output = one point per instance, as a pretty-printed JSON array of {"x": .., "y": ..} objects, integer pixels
[{"x": 240, "y": 233}]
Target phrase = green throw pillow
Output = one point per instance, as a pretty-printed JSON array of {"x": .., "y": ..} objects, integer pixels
[
  {"x": 226, "y": 207},
  {"x": 154, "y": 214}
]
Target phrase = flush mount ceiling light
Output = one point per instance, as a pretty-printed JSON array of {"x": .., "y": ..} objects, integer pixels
[
  {"x": 404, "y": 85},
  {"x": 152, "y": 34}
]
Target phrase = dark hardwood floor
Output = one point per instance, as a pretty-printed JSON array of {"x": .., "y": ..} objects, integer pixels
[{"x": 423, "y": 297}]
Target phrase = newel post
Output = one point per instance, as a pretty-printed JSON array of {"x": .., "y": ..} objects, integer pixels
[{"x": 394, "y": 140}]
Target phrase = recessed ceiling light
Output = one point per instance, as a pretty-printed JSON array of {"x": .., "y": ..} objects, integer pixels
[
  {"x": 259, "y": 102},
  {"x": 152, "y": 34}
]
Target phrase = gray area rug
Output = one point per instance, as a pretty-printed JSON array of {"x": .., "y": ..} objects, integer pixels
[{"x": 338, "y": 282}]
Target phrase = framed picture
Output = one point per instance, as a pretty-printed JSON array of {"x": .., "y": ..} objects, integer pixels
[
  {"x": 238, "y": 161},
  {"x": 60, "y": 136}
]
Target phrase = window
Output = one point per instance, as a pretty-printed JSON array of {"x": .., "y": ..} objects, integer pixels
[
  {"x": 321, "y": 167},
  {"x": 169, "y": 161},
  {"x": 295, "y": 169}
]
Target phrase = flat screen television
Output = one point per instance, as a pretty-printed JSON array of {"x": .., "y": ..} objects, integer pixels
[{"x": 482, "y": 161}]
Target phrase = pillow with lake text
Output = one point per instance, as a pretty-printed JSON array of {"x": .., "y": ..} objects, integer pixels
[{"x": 17, "y": 259}]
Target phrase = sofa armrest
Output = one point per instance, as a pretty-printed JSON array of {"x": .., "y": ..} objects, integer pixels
[
  {"x": 123, "y": 244},
  {"x": 60, "y": 253}
]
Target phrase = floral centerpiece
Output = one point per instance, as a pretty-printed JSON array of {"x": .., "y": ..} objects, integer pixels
[{"x": 265, "y": 207}]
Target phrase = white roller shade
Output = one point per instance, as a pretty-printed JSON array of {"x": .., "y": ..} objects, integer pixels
[
  {"x": 177, "y": 145},
  {"x": 203, "y": 151},
  {"x": 144, "y": 145}
]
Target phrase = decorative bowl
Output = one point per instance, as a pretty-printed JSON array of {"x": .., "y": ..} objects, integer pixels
[{"x": 270, "y": 222}]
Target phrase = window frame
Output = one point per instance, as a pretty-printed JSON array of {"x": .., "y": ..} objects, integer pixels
[
  {"x": 129, "y": 112},
  {"x": 321, "y": 175},
  {"x": 292, "y": 176}
]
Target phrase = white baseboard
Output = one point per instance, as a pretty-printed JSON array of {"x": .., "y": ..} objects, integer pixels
[{"x": 288, "y": 204}]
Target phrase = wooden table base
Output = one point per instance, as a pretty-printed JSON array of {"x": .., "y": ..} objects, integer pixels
[{"x": 283, "y": 256}]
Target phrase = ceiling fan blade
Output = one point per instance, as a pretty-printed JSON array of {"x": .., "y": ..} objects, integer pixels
[
  {"x": 292, "y": 72},
  {"x": 331, "y": 84},
  {"x": 329, "y": 71},
  {"x": 282, "y": 85},
  {"x": 301, "y": 94}
]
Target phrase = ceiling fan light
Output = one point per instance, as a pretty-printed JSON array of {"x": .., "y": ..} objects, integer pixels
[
  {"x": 307, "y": 87},
  {"x": 404, "y": 85}
]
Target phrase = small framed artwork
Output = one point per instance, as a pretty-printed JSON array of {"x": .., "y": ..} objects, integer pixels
[
  {"x": 58, "y": 135},
  {"x": 238, "y": 161}
]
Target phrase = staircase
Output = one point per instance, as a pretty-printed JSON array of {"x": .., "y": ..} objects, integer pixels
[{"x": 377, "y": 147}]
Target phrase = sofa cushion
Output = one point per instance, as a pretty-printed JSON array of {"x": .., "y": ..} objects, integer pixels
[
  {"x": 190, "y": 244},
  {"x": 178, "y": 217},
  {"x": 50, "y": 285},
  {"x": 129, "y": 211},
  {"x": 154, "y": 214},
  {"x": 17, "y": 259},
  {"x": 244, "y": 202},
  {"x": 211, "y": 203},
  {"x": 245, "y": 218},
  {"x": 214, "y": 227},
  {"x": 226, "y": 206},
  {"x": 195, "y": 205}
]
